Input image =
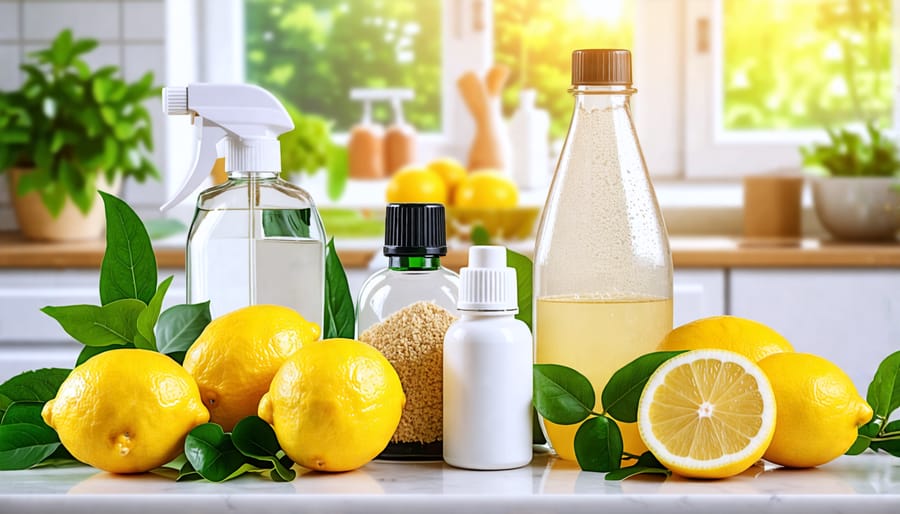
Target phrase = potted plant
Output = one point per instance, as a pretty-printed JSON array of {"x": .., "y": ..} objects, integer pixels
[
  {"x": 855, "y": 183},
  {"x": 67, "y": 132}
]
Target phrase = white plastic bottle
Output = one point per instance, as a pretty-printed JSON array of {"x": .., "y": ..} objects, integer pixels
[
  {"x": 487, "y": 369},
  {"x": 529, "y": 130}
]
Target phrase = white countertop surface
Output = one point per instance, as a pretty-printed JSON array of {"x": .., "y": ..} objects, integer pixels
[{"x": 864, "y": 484}]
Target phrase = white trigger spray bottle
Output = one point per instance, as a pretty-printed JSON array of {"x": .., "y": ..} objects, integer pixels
[{"x": 256, "y": 239}]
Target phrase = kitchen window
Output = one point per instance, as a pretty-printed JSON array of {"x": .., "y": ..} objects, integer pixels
[
  {"x": 765, "y": 76},
  {"x": 725, "y": 87}
]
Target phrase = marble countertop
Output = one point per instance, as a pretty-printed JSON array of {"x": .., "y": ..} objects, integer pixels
[{"x": 864, "y": 484}]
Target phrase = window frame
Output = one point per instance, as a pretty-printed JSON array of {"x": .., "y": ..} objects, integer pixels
[{"x": 711, "y": 152}]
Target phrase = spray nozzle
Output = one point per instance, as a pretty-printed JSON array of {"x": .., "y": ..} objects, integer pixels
[{"x": 245, "y": 119}]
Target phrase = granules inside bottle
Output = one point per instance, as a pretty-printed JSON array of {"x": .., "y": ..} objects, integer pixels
[{"x": 412, "y": 339}]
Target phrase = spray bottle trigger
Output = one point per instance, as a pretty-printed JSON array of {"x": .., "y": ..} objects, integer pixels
[{"x": 207, "y": 135}]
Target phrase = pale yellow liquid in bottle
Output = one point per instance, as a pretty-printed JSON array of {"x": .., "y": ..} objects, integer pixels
[{"x": 598, "y": 336}]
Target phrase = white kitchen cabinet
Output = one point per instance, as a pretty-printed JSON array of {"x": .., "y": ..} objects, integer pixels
[
  {"x": 698, "y": 293},
  {"x": 849, "y": 316},
  {"x": 29, "y": 338}
]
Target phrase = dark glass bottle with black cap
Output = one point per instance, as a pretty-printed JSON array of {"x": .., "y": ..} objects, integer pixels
[{"x": 415, "y": 239}]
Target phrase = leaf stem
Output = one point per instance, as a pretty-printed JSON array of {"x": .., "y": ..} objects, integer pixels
[
  {"x": 630, "y": 456},
  {"x": 887, "y": 436}
]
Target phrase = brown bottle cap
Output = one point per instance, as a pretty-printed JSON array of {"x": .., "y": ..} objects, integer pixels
[{"x": 601, "y": 67}]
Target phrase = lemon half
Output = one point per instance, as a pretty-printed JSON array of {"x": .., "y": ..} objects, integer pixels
[{"x": 707, "y": 413}]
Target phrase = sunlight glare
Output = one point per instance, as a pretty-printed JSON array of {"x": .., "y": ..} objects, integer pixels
[{"x": 608, "y": 11}]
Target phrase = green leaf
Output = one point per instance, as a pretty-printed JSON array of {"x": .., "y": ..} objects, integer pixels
[
  {"x": 623, "y": 391},
  {"x": 537, "y": 435},
  {"x": 188, "y": 473},
  {"x": 598, "y": 445},
  {"x": 254, "y": 438},
  {"x": 866, "y": 433},
  {"x": 561, "y": 394},
  {"x": 129, "y": 264},
  {"x": 884, "y": 391},
  {"x": 481, "y": 236},
  {"x": 179, "y": 326},
  {"x": 213, "y": 455},
  {"x": 286, "y": 222},
  {"x": 146, "y": 321},
  {"x": 23, "y": 445},
  {"x": 33, "y": 386},
  {"x": 24, "y": 412},
  {"x": 891, "y": 446},
  {"x": 162, "y": 228},
  {"x": 630, "y": 471},
  {"x": 340, "y": 316},
  {"x": 338, "y": 171},
  {"x": 524, "y": 269},
  {"x": 90, "y": 325},
  {"x": 90, "y": 351}
]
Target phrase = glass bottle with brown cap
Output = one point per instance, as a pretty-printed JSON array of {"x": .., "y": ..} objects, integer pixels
[{"x": 602, "y": 267}]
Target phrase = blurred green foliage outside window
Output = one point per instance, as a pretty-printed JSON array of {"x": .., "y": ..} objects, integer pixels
[
  {"x": 805, "y": 64},
  {"x": 787, "y": 64},
  {"x": 312, "y": 52}
]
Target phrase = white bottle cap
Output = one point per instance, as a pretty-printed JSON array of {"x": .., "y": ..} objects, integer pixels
[{"x": 488, "y": 284}]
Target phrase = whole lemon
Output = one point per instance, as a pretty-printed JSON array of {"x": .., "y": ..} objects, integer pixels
[
  {"x": 236, "y": 356},
  {"x": 451, "y": 172},
  {"x": 486, "y": 189},
  {"x": 416, "y": 185},
  {"x": 334, "y": 405},
  {"x": 819, "y": 410},
  {"x": 126, "y": 411},
  {"x": 744, "y": 336}
]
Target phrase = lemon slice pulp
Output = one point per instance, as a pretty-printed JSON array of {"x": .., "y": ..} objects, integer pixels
[{"x": 707, "y": 413}]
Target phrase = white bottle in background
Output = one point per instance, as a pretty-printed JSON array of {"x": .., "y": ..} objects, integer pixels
[
  {"x": 529, "y": 130},
  {"x": 487, "y": 369}
]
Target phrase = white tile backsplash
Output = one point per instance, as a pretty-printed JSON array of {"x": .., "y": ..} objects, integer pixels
[
  {"x": 96, "y": 19},
  {"x": 132, "y": 36},
  {"x": 143, "y": 21},
  {"x": 9, "y": 21},
  {"x": 140, "y": 58},
  {"x": 10, "y": 76}
]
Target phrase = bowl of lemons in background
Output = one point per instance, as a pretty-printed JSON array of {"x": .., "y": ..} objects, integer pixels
[{"x": 480, "y": 198}]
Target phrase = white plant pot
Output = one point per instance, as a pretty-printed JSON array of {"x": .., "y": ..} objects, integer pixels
[{"x": 858, "y": 208}]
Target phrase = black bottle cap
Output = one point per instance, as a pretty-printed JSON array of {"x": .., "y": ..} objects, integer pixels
[{"x": 415, "y": 230}]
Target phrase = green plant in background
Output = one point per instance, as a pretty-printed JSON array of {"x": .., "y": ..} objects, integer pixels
[
  {"x": 795, "y": 65},
  {"x": 70, "y": 124},
  {"x": 849, "y": 154},
  {"x": 304, "y": 150}
]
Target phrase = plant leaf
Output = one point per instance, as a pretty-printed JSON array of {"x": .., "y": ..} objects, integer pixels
[
  {"x": 32, "y": 386},
  {"x": 90, "y": 325},
  {"x": 23, "y": 445},
  {"x": 524, "y": 270},
  {"x": 164, "y": 227},
  {"x": 637, "y": 469},
  {"x": 286, "y": 222},
  {"x": 254, "y": 438},
  {"x": 866, "y": 433},
  {"x": 340, "y": 316},
  {"x": 146, "y": 321},
  {"x": 884, "y": 391},
  {"x": 622, "y": 393},
  {"x": 338, "y": 171},
  {"x": 481, "y": 236},
  {"x": 213, "y": 455},
  {"x": 129, "y": 264},
  {"x": 598, "y": 445},
  {"x": 179, "y": 326},
  {"x": 188, "y": 473},
  {"x": 561, "y": 394},
  {"x": 24, "y": 412}
]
